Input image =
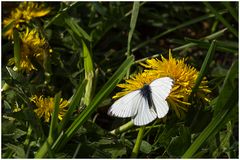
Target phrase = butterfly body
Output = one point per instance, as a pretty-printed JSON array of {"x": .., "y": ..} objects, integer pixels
[
  {"x": 147, "y": 93},
  {"x": 145, "y": 104}
]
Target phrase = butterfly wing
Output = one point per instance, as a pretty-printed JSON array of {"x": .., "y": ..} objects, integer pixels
[
  {"x": 126, "y": 106},
  {"x": 144, "y": 115},
  {"x": 161, "y": 88}
]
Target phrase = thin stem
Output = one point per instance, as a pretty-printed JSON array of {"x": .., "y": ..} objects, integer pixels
[
  {"x": 122, "y": 128},
  {"x": 138, "y": 142}
]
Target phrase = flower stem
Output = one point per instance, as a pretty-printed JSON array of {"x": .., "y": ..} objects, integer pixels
[
  {"x": 138, "y": 142},
  {"x": 122, "y": 128}
]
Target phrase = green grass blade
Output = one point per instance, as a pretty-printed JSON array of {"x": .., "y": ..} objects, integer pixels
[
  {"x": 216, "y": 34},
  {"x": 79, "y": 31},
  {"x": 227, "y": 46},
  {"x": 222, "y": 117},
  {"x": 54, "y": 119},
  {"x": 204, "y": 67},
  {"x": 209, "y": 37},
  {"x": 89, "y": 73},
  {"x": 133, "y": 22},
  {"x": 17, "y": 48},
  {"x": 231, "y": 10},
  {"x": 88, "y": 63},
  {"x": 188, "y": 23},
  {"x": 220, "y": 17},
  {"x": 105, "y": 91},
  {"x": 61, "y": 14},
  {"x": 75, "y": 101}
]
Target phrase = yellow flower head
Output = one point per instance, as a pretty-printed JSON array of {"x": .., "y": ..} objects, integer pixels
[
  {"x": 25, "y": 12},
  {"x": 32, "y": 46},
  {"x": 184, "y": 77},
  {"x": 45, "y": 107}
]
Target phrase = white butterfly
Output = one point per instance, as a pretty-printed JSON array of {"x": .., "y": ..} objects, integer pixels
[{"x": 145, "y": 104}]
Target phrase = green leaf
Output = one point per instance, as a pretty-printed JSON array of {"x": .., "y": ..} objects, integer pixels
[
  {"x": 145, "y": 147},
  {"x": 116, "y": 151},
  {"x": 109, "y": 148}
]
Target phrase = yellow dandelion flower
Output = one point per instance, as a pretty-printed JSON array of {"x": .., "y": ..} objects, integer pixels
[
  {"x": 45, "y": 107},
  {"x": 25, "y": 12},
  {"x": 32, "y": 46},
  {"x": 184, "y": 77}
]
